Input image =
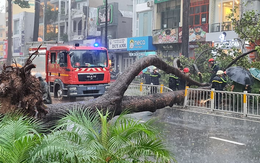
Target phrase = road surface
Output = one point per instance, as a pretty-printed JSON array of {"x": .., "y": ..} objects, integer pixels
[
  {"x": 198, "y": 136},
  {"x": 201, "y": 137}
]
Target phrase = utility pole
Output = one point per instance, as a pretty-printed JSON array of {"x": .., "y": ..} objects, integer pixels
[
  {"x": 36, "y": 20},
  {"x": 59, "y": 12},
  {"x": 106, "y": 25},
  {"x": 185, "y": 28},
  {"x": 69, "y": 22},
  {"x": 10, "y": 41}
]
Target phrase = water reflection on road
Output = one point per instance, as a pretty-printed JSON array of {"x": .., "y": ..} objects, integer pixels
[{"x": 191, "y": 137}]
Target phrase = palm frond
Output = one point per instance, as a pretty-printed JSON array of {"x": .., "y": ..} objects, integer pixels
[{"x": 18, "y": 136}]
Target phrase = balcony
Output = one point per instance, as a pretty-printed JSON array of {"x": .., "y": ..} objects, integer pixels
[
  {"x": 225, "y": 26},
  {"x": 63, "y": 17},
  {"x": 77, "y": 14},
  {"x": 54, "y": 1},
  {"x": 77, "y": 35}
]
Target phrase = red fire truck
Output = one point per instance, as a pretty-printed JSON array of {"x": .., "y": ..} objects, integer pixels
[{"x": 76, "y": 71}]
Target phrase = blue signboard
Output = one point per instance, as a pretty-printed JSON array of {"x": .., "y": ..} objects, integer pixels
[{"x": 140, "y": 43}]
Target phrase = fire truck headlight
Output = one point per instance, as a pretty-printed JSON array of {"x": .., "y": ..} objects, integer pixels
[
  {"x": 73, "y": 88},
  {"x": 107, "y": 87}
]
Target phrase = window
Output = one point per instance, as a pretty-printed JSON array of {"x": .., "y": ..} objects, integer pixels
[
  {"x": 88, "y": 58},
  {"x": 145, "y": 23},
  {"x": 171, "y": 18},
  {"x": 62, "y": 59},
  {"x": 199, "y": 11},
  {"x": 16, "y": 27},
  {"x": 141, "y": 1},
  {"x": 53, "y": 58},
  {"x": 226, "y": 9}
]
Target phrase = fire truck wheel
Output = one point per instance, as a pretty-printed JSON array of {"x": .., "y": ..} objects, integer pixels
[{"x": 58, "y": 92}]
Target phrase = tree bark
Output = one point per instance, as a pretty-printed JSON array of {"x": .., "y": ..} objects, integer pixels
[{"x": 114, "y": 99}]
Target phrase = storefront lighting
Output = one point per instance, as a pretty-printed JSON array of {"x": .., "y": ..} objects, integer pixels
[
  {"x": 230, "y": 3},
  {"x": 218, "y": 5}
]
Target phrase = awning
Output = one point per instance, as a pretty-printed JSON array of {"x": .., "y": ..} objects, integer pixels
[{"x": 160, "y": 1}]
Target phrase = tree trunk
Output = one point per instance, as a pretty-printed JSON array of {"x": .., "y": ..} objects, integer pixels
[
  {"x": 185, "y": 28},
  {"x": 36, "y": 20}
]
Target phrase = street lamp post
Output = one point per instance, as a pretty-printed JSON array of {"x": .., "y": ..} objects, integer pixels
[{"x": 106, "y": 25}]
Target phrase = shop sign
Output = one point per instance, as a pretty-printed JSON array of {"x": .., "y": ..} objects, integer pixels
[
  {"x": 118, "y": 43},
  {"x": 162, "y": 36},
  {"x": 227, "y": 44},
  {"x": 137, "y": 54},
  {"x": 112, "y": 15},
  {"x": 196, "y": 34},
  {"x": 5, "y": 48},
  {"x": 160, "y": 1},
  {"x": 140, "y": 43},
  {"x": 141, "y": 54}
]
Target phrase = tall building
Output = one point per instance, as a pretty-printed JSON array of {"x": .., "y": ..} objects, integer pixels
[
  {"x": 22, "y": 27},
  {"x": 77, "y": 20},
  {"x": 220, "y": 24},
  {"x": 2, "y": 34}
]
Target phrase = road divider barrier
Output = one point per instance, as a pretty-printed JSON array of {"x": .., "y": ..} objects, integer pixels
[
  {"x": 145, "y": 89},
  {"x": 244, "y": 103}
]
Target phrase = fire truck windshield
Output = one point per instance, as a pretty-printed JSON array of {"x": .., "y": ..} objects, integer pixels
[{"x": 88, "y": 58}]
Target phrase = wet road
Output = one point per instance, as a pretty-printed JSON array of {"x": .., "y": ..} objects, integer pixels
[
  {"x": 200, "y": 137},
  {"x": 57, "y": 101}
]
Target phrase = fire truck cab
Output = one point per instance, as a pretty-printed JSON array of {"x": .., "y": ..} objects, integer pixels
[{"x": 77, "y": 71}]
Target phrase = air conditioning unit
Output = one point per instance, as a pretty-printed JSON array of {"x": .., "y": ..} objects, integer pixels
[{"x": 150, "y": 4}]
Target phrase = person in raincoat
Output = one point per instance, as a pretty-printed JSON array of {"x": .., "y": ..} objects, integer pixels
[
  {"x": 155, "y": 80},
  {"x": 219, "y": 83},
  {"x": 147, "y": 77},
  {"x": 44, "y": 89},
  {"x": 174, "y": 82},
  {"x": 183, "y": 83},
  {"x": 214, "y": 68}
]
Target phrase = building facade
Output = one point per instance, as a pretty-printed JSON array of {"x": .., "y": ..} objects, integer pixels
[
  {"x": 2, "y": 35},
  {"x": 220, "y": 24}
]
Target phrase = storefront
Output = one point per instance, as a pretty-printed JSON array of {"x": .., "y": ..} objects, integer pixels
[
  {"x": 166, "y": 41},
  {"x": 117, "y": 49},
  {"x": 225, "y": 40},
  {"x": 137, "y": 48}
]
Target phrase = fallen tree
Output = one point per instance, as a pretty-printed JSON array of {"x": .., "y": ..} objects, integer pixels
[
  {"x": 19, "y": 90},
  {"x": 114, "y": 98}
]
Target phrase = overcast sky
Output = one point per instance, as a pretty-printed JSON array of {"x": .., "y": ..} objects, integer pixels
[{"x": 2, "y": 3}]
